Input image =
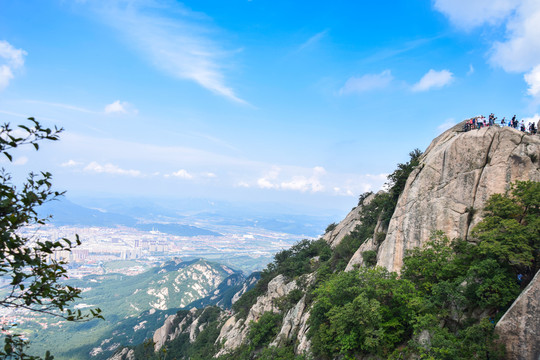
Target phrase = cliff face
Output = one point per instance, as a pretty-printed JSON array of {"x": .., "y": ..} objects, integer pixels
[
  {"x": 457, "y": 174},
  {"x": 519, "y": 328}
]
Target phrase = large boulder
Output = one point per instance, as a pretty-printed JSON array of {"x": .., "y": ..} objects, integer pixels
[{"x": 457, "y": 174}]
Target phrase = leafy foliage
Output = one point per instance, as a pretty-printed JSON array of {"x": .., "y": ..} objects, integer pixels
[
  {"x": 369, "y": 257},
  {"x": 511, "y": 228},
  {"x": 264, "y": 330},
  {"x": 34, "y": 276},
  {"x": 367, "y": 311}
]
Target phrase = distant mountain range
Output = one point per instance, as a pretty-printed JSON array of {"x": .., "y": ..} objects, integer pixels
[
  {"x": 145, "y": 214},
  {"x": 65, "y": 212}
]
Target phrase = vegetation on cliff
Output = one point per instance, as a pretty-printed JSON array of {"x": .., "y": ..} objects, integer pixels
[{"x": 449, "y": 295}]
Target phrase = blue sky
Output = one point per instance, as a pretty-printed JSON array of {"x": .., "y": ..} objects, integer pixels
[{"x": 306, "y": 103}]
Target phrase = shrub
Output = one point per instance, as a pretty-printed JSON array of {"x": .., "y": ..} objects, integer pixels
[
  {"x": 370, "y": 257},
  {"x": 264, "y": 330}
]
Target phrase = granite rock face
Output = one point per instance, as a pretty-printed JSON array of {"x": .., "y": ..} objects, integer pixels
[
  {"x": 519, "y": 328},
  {"x": 235, "y": 331},
  {"x": 457, "y": 174}
]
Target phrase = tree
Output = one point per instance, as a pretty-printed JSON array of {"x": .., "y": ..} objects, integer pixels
[
  {"x": 33, "y": 275},
  {"x": 510, "y": 231}
]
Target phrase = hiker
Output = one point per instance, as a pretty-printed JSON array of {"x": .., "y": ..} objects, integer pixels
[{"x": 503, "y": 122}]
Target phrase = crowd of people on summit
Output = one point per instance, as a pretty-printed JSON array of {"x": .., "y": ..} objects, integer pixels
[{"x": 479, "y": 122}]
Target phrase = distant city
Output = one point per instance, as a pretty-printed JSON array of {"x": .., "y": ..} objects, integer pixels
[{"x": 106, "y": 244}]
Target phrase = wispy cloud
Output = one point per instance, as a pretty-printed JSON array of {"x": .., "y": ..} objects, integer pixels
[
  {"x": 11, "y": 59},
  {"x": 175, "y": 39},
  {"x": 312, "y": 40},
  {"x": 62, "y": 106},
  {"x": 367, "y": 82},
  {"x": 433, "y": 79}
]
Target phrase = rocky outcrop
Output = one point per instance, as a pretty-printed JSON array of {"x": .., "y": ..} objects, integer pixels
[
  {"x": 172, "y": 328},
  {"x": 124, "y": 354},
  {"x": 347, "y": 225},
  {"x": 357, "y": 259},
  {"x": 519, "y": 328},
  {"x": 456, "y": 175},
  {"x": 295, "y": 323},
  {"x": 234, "y": 332}
]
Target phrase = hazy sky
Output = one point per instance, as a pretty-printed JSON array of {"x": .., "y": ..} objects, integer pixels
[{"x": 304, "y": 102}]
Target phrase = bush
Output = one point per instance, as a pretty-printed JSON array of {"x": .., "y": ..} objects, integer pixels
[
  {"x": 370, "y": 257},
  {"x": 330, "y": 227},
  {"x": 264, "y": 330}
]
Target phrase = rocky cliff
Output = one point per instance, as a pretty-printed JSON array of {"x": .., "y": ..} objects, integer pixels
[
  {"x": 519, "y": 328},
  {"x": 457, "y": 174},
  {"x": 446, "y": 191}
]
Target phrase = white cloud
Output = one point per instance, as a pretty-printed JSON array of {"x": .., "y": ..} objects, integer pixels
[
  {"x": 109, "y": 168},
  {"x": 367, "y": 82},
  {"x": 182, "y": 174},
  {"x": 267, "y": 181},
  {"x": 71, "y": 163},
  {"x": 468, "y": 14},
  {"x": 519, "y": 50},
  {"x": 471, "y": 70},
  {"x": 209, "y": 175},
  {"x": 433, "y": 79},
  {"x": 121, "y": 107},
  {"x": 178, "y": 41},
  {"x": 533, "y": 80},
  {"x": 10, "y": 60},
  {"x": 243, "y": 184},
  {"x": 300, "y": 183}
]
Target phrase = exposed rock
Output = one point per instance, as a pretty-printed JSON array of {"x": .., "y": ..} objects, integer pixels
[
  {"x": 519, "y": 328},
  {"x": 295, "y": 323},
  {"x": 234, "y": 332},
  {"x": 169, "y": 331},
  {"x": 357, "y": 260},
  {"x": 161, "y": 335},
  {"x": 124, "y": 354},
  {"x": 457, "y": 174},
  {"x": 344, "y": 228}
]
